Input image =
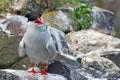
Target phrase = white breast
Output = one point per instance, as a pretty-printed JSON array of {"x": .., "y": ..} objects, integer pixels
[{"x": 35, "y": 44}]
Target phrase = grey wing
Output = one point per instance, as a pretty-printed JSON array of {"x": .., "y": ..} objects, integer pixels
[
  {"x": 21, "y": 48},
  {"x": 51, "y": 47}
]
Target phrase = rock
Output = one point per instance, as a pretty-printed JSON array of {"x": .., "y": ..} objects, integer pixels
[
  {"x": 112, "y": 5},
  {"x": 9, "y": 53},
  {"x": 66, "y": 9},
  {"x": 114, "y": 57},
  {"x": 14, "y": 25},
  {"x": 59, "y": 20},
  {"x": 8, "y": 50},
  {"x": 2, "y": 17},
  {"x": 73, "y": 70},
  {"x": 33, "y": 9},
  {"x": 103, "y": 20},
  {"x": 62, "y": 46},
  {"x": 24, "y": 75},
  {"x": 18, "y": 5},
  {"x": 82, "y": 42},
  {"x": 100, "y": 63},
  {"x": 65, "y": 68},
  {"x": 7, "y": 76}
]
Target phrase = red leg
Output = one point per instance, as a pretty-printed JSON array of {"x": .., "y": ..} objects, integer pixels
[
  {"x": 33, "y": 70},
  {"x": 43, "y": 72}
]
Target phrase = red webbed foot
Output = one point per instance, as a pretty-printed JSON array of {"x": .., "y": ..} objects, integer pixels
[
  {"x": 32, "y": 71},
  {"x": 43, "y": 72}
]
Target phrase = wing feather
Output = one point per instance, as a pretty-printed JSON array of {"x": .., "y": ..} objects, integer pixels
[
  {"x": 51, "y": 47},
  {"x": 21, "y": 48}
]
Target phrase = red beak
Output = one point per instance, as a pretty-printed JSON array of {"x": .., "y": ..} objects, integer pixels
[{"x": 39, "y": 21}]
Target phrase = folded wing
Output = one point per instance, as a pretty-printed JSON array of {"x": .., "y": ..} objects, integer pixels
[
  {"x": 51, "y": 48},
  {"x": 21, "y": 48}
]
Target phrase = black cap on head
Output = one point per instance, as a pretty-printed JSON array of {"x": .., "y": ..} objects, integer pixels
[{"x": 33, "y": 15}]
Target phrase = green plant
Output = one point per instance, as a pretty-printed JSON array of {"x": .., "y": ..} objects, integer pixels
[
  {"x": 4, "y": 4},
  {"x": 58, "y": 3},
  {"x": 82, "y": 16},
  {"x": 81, "y": 13}
]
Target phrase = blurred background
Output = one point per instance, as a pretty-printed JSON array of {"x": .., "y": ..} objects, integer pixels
[{"x": 112, "y": 5}]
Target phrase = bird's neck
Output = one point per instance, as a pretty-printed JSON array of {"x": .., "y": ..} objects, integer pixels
[{"x": 41, "y": 27}]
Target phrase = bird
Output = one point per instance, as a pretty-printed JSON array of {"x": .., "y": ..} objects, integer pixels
[
  {"x": 42, "y": 42},
  {"x": 37, "y": 44}
]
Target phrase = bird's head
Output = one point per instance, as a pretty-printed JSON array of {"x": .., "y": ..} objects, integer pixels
[
  {"x": 38, "y": 21},
  {"x": 40, "y": 25}
]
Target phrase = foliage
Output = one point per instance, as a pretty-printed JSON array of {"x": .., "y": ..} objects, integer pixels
[
  {"x": 82, "y": 16},
  {"x": 4, "y": 4},
  {"x": 59, "y": 3},
  {"x": 81, "y": 13}
]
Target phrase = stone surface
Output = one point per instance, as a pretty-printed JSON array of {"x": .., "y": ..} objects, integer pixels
[
  {"x": 8, "y": 50},
  {"x": 109, "y": 54},
  {"x": 84, "y": 41},
  {"x": 18, "y": 5},
  {"x": 114, "y": 57},
  {"x": 73, "y": 70},
  {"x": 103, "y": 20},
  {"x": 62, "y": 46},
  {"x": 59, "y": 20},
  {"x": 112, "y": 5},
  {"x": 9, "y": 74},
  {"x": 33, "y": 9},
  {"x": 100, "y": 63},
  {"x": 14, "y": 25},
  {"x": 65, "y": 68},
  {"x": 9, "y": 53}
]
